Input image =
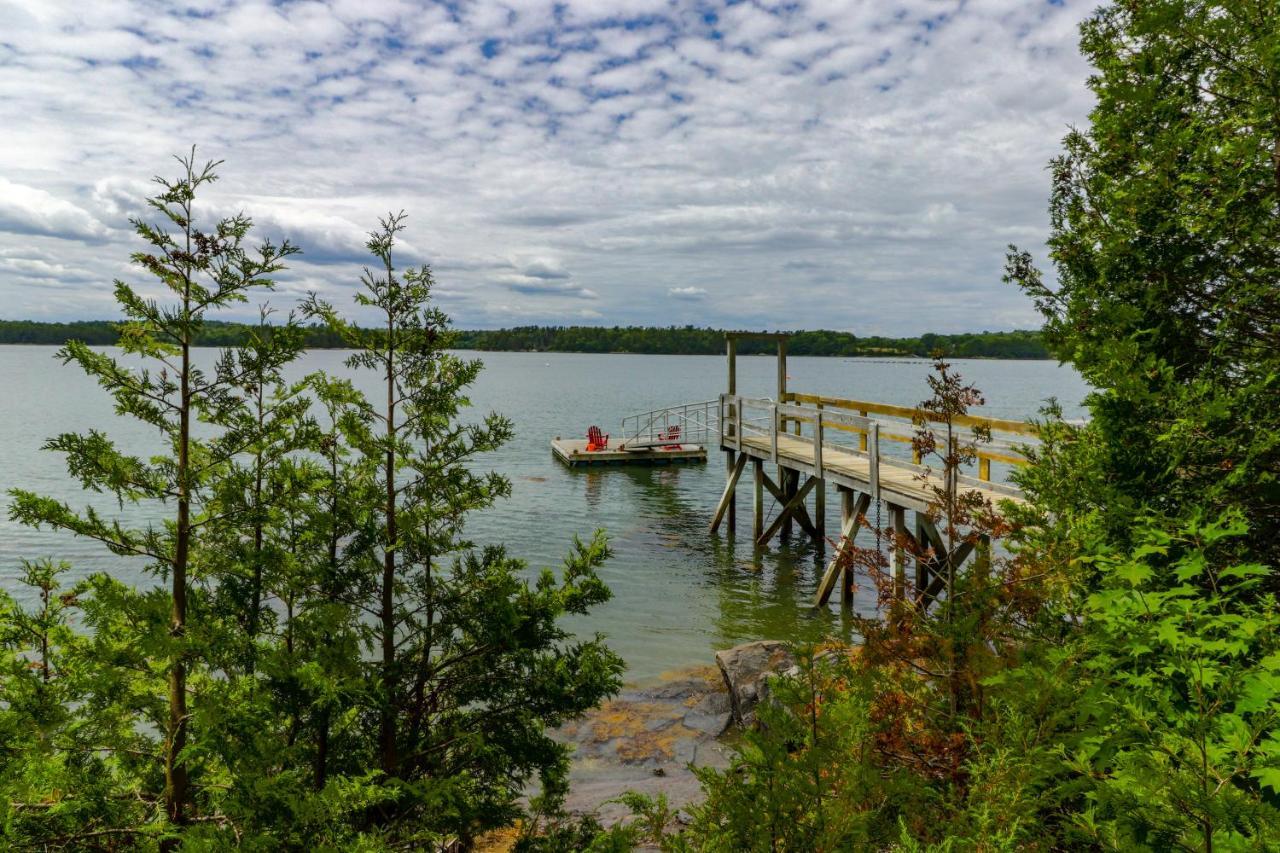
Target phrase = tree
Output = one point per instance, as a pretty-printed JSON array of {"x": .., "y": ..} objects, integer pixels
[
  {"x": 469, "y": 662},
  {"x": 202, "y": 271},
  {"x": 1166, "y": 242}
]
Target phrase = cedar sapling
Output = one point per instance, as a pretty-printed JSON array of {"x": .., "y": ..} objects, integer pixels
[{"x": 202, "y": 271}]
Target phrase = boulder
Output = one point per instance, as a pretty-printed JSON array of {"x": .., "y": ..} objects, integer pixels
[{"x": 746, "y": 668}]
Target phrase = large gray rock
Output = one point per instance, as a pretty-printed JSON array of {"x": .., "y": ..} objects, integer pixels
[{"x": 746, "y": 668}]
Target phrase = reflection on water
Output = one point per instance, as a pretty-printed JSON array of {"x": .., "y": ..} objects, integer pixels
[{"x": 679, "y": 592}]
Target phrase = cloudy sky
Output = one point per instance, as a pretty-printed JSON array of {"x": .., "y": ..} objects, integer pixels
[{"x": 847, "y": 164}]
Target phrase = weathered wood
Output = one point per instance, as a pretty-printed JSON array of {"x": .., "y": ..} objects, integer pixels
[
  {"x": 732, "y": 469},
  {"x": 773, "y": 435},
  {"x": 789, "y": 488},
  {"x": 820, "y": 510},
  {"x": 796, "y": 500},
  {"x": 898, "y": 557},
  {"x": 727, "y": 498},
  {"x": 907, "y": 412},
  {"x": 782, "y": 497},
  {"x": 939, "y": 583},
  {"x": 852, "y": 510},
  {"x": 782, "y": 369},
  {"x": 731, "y": 352},
  {"x": 757, "y": 501}
]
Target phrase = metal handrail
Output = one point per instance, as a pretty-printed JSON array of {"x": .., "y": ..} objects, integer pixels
[{"x": 697, "y": 423}]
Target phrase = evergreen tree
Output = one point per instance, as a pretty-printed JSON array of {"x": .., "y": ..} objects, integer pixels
[
  {"x": 470, "y": 665},
  {"x": 1166, "y": 242},
  {"x": 201, "y": 271}
]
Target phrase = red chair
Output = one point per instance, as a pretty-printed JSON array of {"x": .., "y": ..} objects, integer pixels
[
  {"x": 596, "y": 440},
  {"x": 672, "y": 434}
]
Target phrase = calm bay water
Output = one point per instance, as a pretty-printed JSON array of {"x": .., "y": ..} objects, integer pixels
[{"x": 679, "y": 593}]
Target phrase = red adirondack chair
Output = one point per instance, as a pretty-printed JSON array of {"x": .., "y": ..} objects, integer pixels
[
  {"x": 596, "y": 440},
  {"x": 672, "y": 434}
]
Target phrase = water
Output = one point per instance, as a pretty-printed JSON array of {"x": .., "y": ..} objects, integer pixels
[{"x": 679, "y": 593}]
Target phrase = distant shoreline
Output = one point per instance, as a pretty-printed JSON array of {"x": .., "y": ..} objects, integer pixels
[{"x": 1019, "y": 345}]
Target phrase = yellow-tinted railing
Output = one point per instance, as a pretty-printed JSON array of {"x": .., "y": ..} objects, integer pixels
[{"x": 867, "y": 409}]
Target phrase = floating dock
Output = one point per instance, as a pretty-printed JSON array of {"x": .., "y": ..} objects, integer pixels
[{"x": 573, "y": 452}]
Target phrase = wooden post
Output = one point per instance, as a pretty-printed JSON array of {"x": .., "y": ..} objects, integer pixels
[
  {"x": 984, "y": 469},
  {"x": 898, "y": 555},
  {"x": 820, "y": 491},
  {"x": 730, "y": 458},
  {"x": 738, "y": 427},
  {"x": 853, "y": 506},
  {"x": 757, "y": 503},
  {"x": 848, "y": 521},
  {"x": 773, "y": 439},
  {"x": 873, "y": 473},
  {"x": 862, "y": 437},
  {"x": 730, "y": 466},
  {"x": 782, "y": 370},
  {"x": 923, "y": 564},
  {"x": 731, "y": 349},
  {"x": 789, "y": 479},
  {"x": 726, "y": 499}
]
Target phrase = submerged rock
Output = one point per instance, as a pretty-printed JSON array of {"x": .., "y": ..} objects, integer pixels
[{"x": 746, "y": 668}]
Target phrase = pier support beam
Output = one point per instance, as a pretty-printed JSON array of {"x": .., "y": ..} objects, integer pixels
[
  {"x": 799, "y": 514},
  {"x": 726, "y": 499},
  {"x": 898, "y": 553},
  {"x": 792, "y": 509},
  {"x": 853, "y": 508},
  {"x": 730, "y": 464},
  {"x": 757, "y": 500}
]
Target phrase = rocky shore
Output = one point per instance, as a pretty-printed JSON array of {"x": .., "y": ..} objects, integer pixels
[{"x": 649, "y": 737}]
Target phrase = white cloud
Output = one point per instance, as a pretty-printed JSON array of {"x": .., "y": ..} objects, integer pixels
[
  {"x": 31, "y": 210},
  {"x": 840, "y": 163}
]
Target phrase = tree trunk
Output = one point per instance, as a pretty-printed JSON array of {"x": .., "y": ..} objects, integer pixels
[
  {"x": 388, "y": 731},
  {"x": 175, "y": 774}
]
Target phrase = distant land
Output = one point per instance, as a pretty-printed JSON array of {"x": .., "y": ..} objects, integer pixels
[{"x": 673, "y": 340}]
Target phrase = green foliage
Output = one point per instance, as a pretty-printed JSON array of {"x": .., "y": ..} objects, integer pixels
[
  {"x": 1183, "y": 653},
  {"x": 329, "y": 662},
  {"x": 1166, "y": 245}
]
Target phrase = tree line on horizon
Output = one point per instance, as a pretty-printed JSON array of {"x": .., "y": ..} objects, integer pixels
[{"x": 650, "y": 340}]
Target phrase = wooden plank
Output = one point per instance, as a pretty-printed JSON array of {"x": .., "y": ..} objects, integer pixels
[
  {"x": 850, "y": 510},
  {"x": 853, "y": 511},
  {"x": 897, "y": 556},
  {"x": 779, "y": 495},
  {"x": 999, "y": 424},
  {"x": 957, "y": 557},
  {"x": 773, "y": 434},
  {"x": 732, "y": 470},
  {"x": 787, "y": 510},
  {"x": 757, "y": 501},
  {"x": 727, "y": 497}
]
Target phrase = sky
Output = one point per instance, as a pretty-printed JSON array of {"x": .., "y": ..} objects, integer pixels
[{"x": 858, "y": 165}]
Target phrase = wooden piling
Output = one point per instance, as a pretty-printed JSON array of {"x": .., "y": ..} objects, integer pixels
[{"x": 757, "y": 499}]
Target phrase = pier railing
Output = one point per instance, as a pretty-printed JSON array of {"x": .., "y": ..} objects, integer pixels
[
  {"x": 861, "y": 428},
  {"x": 686, "y": 423}
]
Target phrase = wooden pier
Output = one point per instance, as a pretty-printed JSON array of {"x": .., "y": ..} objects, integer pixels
[{"x": 812, "y": 442}]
